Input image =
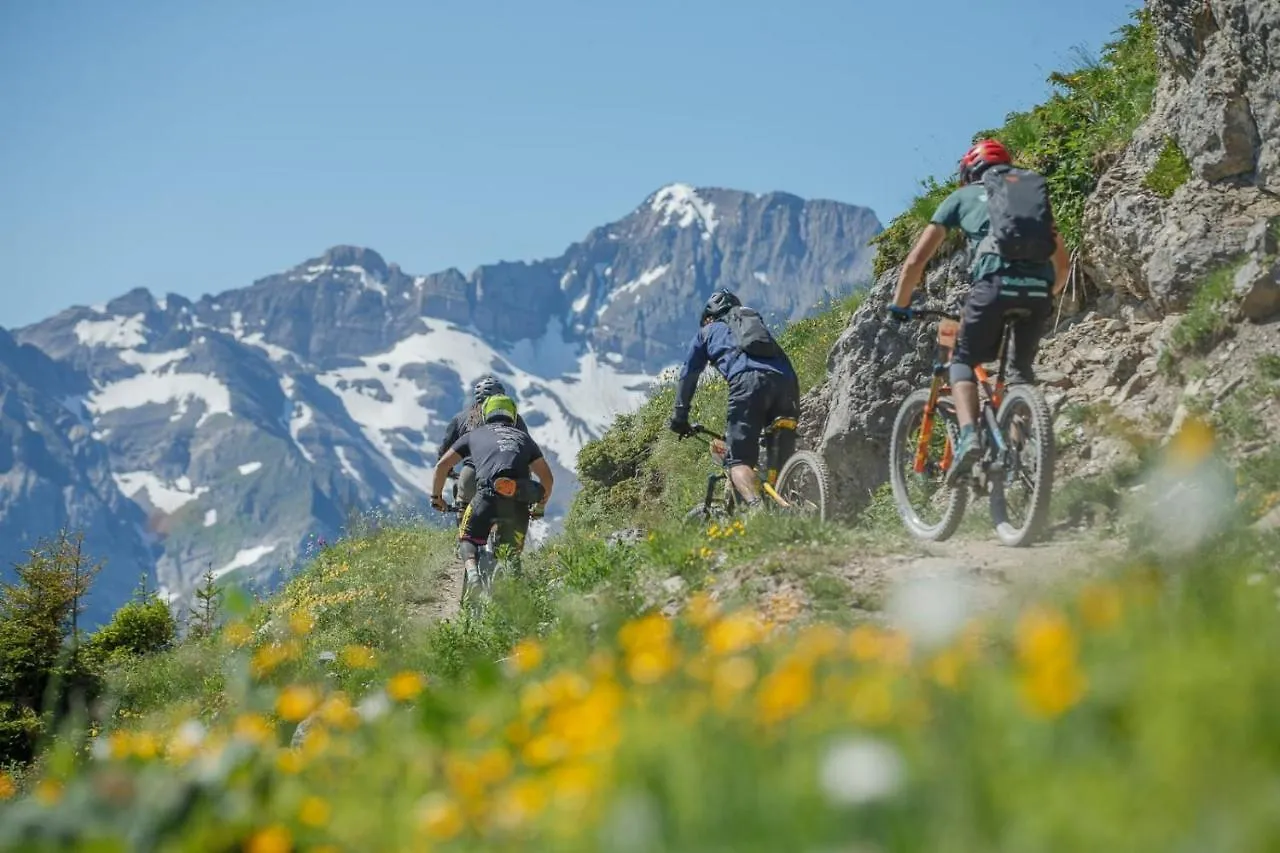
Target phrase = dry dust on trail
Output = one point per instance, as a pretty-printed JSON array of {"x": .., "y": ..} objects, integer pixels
[
  {"x": 440, "y": 595},
  {"x": 973, "y": 575}
]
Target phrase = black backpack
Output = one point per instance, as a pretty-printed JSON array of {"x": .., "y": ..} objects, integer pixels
[
  {"x": 750, "y": 334},
  {"x": 1022, "y": 226}
]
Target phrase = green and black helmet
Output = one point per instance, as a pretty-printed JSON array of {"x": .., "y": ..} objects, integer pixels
[{"x": 499, "y": 407}]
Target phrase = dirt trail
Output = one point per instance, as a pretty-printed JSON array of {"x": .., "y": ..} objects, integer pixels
[
  {"x": 441, "y": 594},
  {"x": 982, "y": 573}
]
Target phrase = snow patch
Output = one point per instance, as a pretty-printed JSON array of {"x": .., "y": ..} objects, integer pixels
[
  {"x": 682, "y": 204},
  {"x": 347, "y": 467},
  {"x": 114, "y": 332},
  {"x": 298, "y": 415},
  {"x": 249, "y": 468},
  {"x": 275, "y": 353},
  {"x": 633, "y": 287},
  {"x": 244, "y": 558},
  {"x": 166, "y": 497},
  {"x": 761, "y": 277},
  {"x": 158, "y": 382},
  {"x": 580, "y": 304},
  {"x": 210, "y": 518}
]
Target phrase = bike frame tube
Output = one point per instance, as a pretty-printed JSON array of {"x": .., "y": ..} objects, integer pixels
[{"x": 926, "y": 430}]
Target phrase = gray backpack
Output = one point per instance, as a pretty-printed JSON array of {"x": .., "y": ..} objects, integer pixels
[
  {"x": 750, "y": 334},
  {"x": 1018, "y": 205}
]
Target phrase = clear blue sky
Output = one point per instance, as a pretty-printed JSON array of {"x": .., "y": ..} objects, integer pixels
[{"x": 191, "y": 147}]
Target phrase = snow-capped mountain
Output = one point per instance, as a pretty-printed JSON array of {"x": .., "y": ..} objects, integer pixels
[{"x": 220, "y": 433}]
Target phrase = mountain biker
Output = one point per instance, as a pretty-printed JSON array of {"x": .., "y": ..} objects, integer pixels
[
  {"x": 504, "y": 457},
  {"x": 762, "y": 385},
  {"x": 467, "y": 420},
  {"x": 998, "y": 285}
]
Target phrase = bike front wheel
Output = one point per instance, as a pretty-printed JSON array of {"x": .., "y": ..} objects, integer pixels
[
  {"x": 1021, "y": 490},
  {"x": 929, "y": 510},
  {"x": 805, "y": 484}
]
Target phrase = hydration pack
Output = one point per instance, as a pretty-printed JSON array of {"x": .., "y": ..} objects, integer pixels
[
  {"x": 1021, "y": 217},
  {"x": 750, "y": 334}
]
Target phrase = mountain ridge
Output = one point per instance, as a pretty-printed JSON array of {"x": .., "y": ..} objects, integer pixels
[{"x": 240, "y": 423}]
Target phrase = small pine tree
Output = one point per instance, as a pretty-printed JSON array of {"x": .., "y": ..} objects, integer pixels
[
  {"x": 203, "y": 618},
  {"x": 38, "y": 614}
]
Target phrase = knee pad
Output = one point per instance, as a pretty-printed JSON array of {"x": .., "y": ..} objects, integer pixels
[{"x": 962, "y": 373}]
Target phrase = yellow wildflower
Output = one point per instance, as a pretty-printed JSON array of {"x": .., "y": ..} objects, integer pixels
[
  {"x": 1052, "y": 688},
  {"x": 1044, "y": 636},
  {"x": 573, "y": 784},
  {"x": 1193, "y": 442},
  {"x": 253, "y": 728},
  {"x": 521, "y": 802},
  {"x": 316, "y": 741},
  {"x": 48, "y": 791},
  {"x": 566, "y": 687},
  {"x": 301, "y": 622},
  {"x": 405, "y": 686},
  {"x": 296, "y": 702},
  {"x": 526, "y": 656},
  {"x": 734, "y": 633},
  {"x": 440, "y": 818},
  {"x": 784, "y": 692},
  {"x": 494, "y": 765},
  {"x": 1101, "y": 605},
  {"x": 237, "y": 633},
  {"x": 7, "y": 786},
  {"x": 651, "y": 630},
  {"x": 730, "y": 679},
  {"x": 272, "y": 839},
  {"x": 120, "y": 744},
  {"x": 145, "y": 745},
  {"x": 338, "y": 712},
  {"x": 648, "y": 666},
  {"x": 358, "y": 657},
  {"x": 946, "y": 667},
  {"x": 543, "y": 750},
  {"x": 290, "y": 762},
  {"x": 314, "y": 812},
  {"x": 818, "y": 641},
  {"x": 701, "y": 610},
  {"x": 517, "y": 733},
  {"x": 873, "y": 701}
]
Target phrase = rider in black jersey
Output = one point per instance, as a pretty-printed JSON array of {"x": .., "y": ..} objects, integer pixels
[{"x": 467, "y": 420}]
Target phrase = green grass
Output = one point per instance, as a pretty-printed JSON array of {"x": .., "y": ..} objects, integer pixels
[
  {"x": 1206, "y": 321},
  {"x": 1170, "y": 171},
  {"x": 1071, "y": 138}
]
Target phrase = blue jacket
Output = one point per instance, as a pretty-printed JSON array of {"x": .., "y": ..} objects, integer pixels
[{"x": 714, "y": 343}]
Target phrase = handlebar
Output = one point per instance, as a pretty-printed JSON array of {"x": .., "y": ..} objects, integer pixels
[
  {"x": 699, "y": 429},
  {"x": 932, "y": 314}
]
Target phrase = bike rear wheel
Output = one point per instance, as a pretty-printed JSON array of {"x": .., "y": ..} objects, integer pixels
[
  {"x": 929, "y": 510},
  {"x": 1021, "y": 492},
  {"x": 804, "y": 483}
]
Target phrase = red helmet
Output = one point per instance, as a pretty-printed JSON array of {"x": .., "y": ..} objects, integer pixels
[{"x": 984, "y": 153}]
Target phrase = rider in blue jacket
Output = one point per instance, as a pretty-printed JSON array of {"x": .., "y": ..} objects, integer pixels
[{"x": 762, "y": 387}]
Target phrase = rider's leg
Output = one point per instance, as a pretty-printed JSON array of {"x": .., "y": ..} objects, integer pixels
[
  {"x": 743, "y": 425},
  {"x": 466, "y": 484},
  {"x": 977, "y": 342},
  {"x": 1027, "y": 333},
  {"x": 473, "y": 532}
]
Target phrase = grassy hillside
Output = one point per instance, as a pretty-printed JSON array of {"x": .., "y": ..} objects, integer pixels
[{"x": 1072, "y": 138}]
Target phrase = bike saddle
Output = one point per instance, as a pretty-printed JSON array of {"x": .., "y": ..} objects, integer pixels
[{"x": 1014, "y": 314}]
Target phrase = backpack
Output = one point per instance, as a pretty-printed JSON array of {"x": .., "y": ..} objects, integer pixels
[
  {"x": 1018, "y": 205},
  {"x": 750, "y": 334}
]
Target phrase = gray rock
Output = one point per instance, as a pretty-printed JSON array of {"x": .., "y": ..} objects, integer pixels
[
  {"x": 1219, "y": 98},
  {"x": 1257, "y": 286}
]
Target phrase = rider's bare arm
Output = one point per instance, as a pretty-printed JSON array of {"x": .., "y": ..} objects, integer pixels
[
  {"x": 545, "y": 477},
  {"x": 913, "y": 269},
  {"x": 443, "y": 467},
  {"x": 1061, "y": 265}
]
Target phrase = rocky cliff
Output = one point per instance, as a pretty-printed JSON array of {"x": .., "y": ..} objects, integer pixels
[{"x": 1175, "y": 289}]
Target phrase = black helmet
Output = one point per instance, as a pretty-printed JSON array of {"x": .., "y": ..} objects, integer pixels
[
  {"x": 487, "y": 387},
  {"x": 720, "y": 302}
]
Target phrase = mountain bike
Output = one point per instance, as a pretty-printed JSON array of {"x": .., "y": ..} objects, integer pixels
[
  {"x": 489, "y": 562},
  {"x": 1014, "y": 431},
  {"x": 800, "y": 486}
]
